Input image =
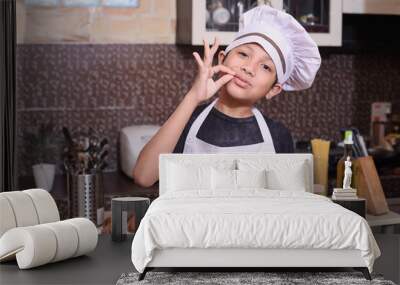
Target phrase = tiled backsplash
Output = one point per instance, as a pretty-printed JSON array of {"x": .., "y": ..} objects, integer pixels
[{"x": 112, "y": 86}]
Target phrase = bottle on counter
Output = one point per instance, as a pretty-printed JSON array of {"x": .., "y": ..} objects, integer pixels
[{"x": 348, "y": 152}]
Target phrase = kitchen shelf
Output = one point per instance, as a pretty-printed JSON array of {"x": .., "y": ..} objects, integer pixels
[{"x": 197, "y": 20}]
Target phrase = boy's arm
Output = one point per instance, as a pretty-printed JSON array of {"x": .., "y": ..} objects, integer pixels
[{"x": 145, "y": 172}]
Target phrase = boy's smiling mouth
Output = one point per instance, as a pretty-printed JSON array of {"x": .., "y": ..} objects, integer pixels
[{"x": 241, "y": 82}]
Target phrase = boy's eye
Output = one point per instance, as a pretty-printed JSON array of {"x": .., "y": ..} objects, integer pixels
[
  {"x": 266, "y": 67},
  {"x": 242, "y": 53}
]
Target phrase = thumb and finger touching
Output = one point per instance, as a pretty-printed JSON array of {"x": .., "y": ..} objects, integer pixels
[{"x": 205, "y": 67}]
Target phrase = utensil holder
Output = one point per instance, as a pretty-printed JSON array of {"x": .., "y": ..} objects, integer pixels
[{"x": 86, "y": 197}]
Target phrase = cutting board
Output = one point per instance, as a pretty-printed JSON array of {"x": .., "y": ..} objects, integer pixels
[{"x": 369, "y": 185}]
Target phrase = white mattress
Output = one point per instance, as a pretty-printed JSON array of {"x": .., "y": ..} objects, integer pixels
[{"x": 252, "y": 218}]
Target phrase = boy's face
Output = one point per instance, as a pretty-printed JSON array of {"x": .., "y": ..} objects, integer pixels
[{"x": 256, "y": 73}]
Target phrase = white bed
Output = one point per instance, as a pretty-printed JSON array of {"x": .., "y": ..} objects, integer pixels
[{"x": 227, "y": 217}]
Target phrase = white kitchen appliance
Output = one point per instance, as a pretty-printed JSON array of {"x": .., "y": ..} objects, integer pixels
[{"x": 132, "y": 140}]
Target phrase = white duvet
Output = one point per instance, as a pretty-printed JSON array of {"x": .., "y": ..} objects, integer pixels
[{"x": 252, "y": 218}]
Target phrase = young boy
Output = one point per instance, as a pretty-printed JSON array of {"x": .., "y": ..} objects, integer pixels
[{"x": 271, "y": 52}]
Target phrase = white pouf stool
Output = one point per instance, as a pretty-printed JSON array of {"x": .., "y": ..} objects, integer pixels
[{"x": 31, "y": 231}]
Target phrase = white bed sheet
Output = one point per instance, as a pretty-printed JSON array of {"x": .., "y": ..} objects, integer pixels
[{"x": 251, "y": 218}]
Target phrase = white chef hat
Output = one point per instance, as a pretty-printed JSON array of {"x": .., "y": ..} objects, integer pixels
[{"x": 293, "y": 51}]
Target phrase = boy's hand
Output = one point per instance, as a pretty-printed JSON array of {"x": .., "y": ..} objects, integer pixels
[{"x": 204, "y": 87}]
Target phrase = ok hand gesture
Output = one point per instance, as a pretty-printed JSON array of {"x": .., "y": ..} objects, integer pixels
[{"x": 204, "y": 87}]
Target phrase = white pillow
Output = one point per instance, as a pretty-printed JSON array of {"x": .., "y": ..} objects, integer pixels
[
  {"x": 223, "y": 179},
  {"x": 181, "y": 177},
  {"x": 278, "y": 180},
  {"x": 184, "y": 173},
  {"x": 284, "y": 174},
  {"x": 251, "y": 178},
  {"x": 227, "y": 179}
]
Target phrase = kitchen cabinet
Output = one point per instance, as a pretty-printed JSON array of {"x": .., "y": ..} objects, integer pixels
[
  {"x": 377, "y": 7},
  {"x": 198, "y": 19},
  {"x": 321, "y": 18}
]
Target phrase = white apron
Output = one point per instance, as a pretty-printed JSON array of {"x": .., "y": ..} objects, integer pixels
[{"x": 195, "y": 145}]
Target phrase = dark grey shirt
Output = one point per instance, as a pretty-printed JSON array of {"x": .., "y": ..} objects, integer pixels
[{"x": 222, "y": 130}]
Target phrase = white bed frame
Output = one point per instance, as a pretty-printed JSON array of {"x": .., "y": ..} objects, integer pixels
[{"x": 250, "y": 258}]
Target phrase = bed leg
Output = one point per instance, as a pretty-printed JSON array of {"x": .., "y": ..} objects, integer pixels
[
  {"x": 364, "y": 271},
  {"x": 143, "y": 274}
]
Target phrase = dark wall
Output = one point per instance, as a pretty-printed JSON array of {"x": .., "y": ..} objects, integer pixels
[{"x": 112, "y": 86}]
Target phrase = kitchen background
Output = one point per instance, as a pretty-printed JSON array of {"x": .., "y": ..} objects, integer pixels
[{"x": 81, "y": 63}]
